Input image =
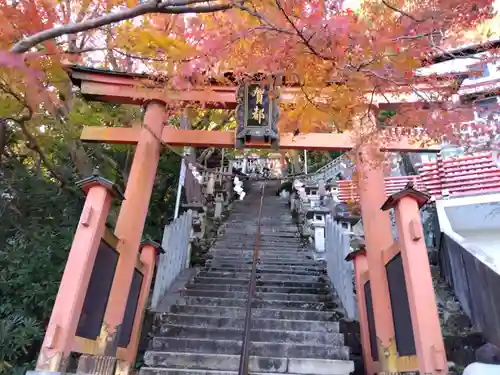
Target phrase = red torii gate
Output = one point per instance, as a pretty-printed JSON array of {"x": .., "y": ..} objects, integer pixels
[{"x": 139, "y": 89}]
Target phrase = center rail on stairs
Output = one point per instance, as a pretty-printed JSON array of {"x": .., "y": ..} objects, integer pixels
[{"x": 245, "y": 348}]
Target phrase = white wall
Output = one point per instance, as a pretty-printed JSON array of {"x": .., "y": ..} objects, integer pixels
[{"x": 474, "y": 222}]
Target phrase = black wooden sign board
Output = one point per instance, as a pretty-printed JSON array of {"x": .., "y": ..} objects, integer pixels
[{"x": 257, "y": 108}]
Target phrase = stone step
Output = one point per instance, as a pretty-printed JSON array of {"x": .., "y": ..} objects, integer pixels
[
  {"x": 291, "y": 258},
  {"x": 271, "y": 349},
  {"x": 280, "y": 283},
  {"x": 174, "y": 371},
  {"x": 262, "y": 250},
  {"x": 248, "y": 233},
  {"x": 269, "y": 268},
  {"x": 243, "y": 223},
  {"x": 268, "y": 229},
  {"x": 269, "y": 251},
  {"x": 256, "y": 303},
  {"x": 305, "y": 337},
  {"x": 262, "y": 289},
  {"x": 238, "y": 244},
  {"x": 226, "y": 362},
  {"x": 239, "y": 312},
  {"x": 215, "y": 322},
  {"x": 265, "y": 277},
  {"x": 262, "y": 268},
  {"x": 239, "y": 257},
  {"x": 259, "y": 296},
  {"x": 281, "y": 231},
  {"x": 223, "y": 259}
]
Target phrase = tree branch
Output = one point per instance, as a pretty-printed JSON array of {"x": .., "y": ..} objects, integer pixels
[
  {"x": 402, "y": 12},
  {"x": 300, "y": 34},
  {"x": 151, "y": 6}
]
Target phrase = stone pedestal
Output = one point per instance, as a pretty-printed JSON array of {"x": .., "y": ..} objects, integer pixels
[
  {"x": 219, "y": 206},
  {"x": 317, "y": 218},
  {"x": 347, "y": 222},
  {"x": 199, "y": 218},
  {"x": 294, "y": 202},
  {"x": 319, "y": 237}
]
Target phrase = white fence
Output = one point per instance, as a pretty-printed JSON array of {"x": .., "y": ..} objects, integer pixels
[
  {"x": 176, "y": 237},
  {"x": 340, "y": 272}
]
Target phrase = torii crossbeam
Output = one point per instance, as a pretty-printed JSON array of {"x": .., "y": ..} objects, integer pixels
[
  {"x": 225, "y": 139},
  {"x": 124, "y": 88}
]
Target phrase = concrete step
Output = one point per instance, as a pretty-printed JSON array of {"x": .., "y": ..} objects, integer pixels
[
  {"x": 287, "y": 252},
  {"x": 259, "y": 296},
  {"x": 268, "y": 230},
  {"x": 236, "y": 245},
  {"x": 238, "y": 322},
  {"x": 239, "y": 261},
  {"x": 262, "y": 289},
  {"x": 274, "y": 234},
  {"x": 256, "y": 303},
  {"x": 244, "y": 221},
  {"x": 260, "y": 271},
  {"x": 239, "y": 312},
  {"x": 174, "y": 371},
  {"x": 280, "y": 283},
  {"x": 271, "y": 349},
  {"x": 267, "y": 268},
  {"x": 239, "y": 244},
  {"x": 268, "y": 252},
  {"x": 265, "y": 258},
  {"x": 224, "y": 259},
  {"x": 280, "y": 231},
  {"x": 226, "y": 362},
  {"x": 253, "y": 219},
  {"x": 304, "y": 337},
  {"x": 265, "y": 277}
]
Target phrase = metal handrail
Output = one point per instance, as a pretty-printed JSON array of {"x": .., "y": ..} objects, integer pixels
[{"x": 245, "y": 348}]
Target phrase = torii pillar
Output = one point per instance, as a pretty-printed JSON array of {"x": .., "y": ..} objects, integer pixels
[
  {"x": 421, "y": 299},
  {"x": 358, "y": 257},
  {"x": 131, "y": 219},
  {"x": 378, "y": 237}
]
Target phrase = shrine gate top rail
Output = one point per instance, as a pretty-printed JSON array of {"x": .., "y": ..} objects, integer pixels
[{"x": 124, "y": 88}]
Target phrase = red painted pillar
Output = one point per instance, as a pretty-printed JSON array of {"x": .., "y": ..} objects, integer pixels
[
  {"x": 131, "y": 219},
  {"x": 68, "y": 306},
  {"x": 360, "y": 267},
  {"x": 378, "y": 237},
  {"x": 422, "y": 301},
  {"x": 149, "y": 254}
]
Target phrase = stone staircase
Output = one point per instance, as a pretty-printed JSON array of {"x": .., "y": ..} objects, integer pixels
[
  {"x": 342, "y": 165},
  {"x": 295, "y": 328}
]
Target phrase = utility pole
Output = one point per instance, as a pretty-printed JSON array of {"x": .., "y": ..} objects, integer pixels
[{"x": 305, "y": 161}]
